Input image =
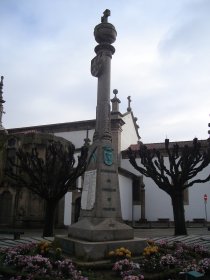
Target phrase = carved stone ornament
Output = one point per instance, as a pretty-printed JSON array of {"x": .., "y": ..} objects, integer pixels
[
  {"x": 97, "y": 65},
  {"x": 108, "y": 155}
]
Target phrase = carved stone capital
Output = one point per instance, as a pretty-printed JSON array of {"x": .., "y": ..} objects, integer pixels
[{"x": 105, "y": 48}]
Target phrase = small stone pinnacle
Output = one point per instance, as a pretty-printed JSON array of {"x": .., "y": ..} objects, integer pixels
[{"x": 115, "y": 91}]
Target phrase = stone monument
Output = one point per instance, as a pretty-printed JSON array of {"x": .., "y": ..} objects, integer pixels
[
  {"x": 100, "y": 218},
  {"x": 100, "y": 227}
]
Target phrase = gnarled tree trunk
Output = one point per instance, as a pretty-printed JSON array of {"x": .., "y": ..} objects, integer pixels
[
  {"x": 179, "y": 213},
  {"x": 49, "y": 218}
]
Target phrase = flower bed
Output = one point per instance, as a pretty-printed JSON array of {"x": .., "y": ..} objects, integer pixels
[
  {"x": 161, "y": 261},
  {"x": 158, "y": 261},
  {"x": 37, "y": 261}
]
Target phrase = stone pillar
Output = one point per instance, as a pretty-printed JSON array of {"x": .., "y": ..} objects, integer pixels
[
  {"x": 116, "y": 126},
  {"x": 100, "y": 218}
]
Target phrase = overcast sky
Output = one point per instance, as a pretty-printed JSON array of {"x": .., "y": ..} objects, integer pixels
[{"x": 162, "y": 61}]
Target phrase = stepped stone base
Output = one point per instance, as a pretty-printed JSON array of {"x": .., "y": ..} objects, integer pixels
[
  {"x": 103, "y": 229},
  {"x": 93, "y": 251}
]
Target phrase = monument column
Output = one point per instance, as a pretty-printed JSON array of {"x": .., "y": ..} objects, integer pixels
[
  {"x": 101, "y": 218},
  {"x": 105, "y": 34}
]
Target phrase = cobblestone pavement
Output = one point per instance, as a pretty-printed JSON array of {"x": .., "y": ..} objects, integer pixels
[{"x": 199, "y": 235}]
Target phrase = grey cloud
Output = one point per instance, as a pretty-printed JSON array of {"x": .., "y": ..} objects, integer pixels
[{"x": 190, "y": 31}]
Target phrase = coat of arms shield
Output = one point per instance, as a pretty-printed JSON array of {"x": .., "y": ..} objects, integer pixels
[{"x": 108, "y": 155}]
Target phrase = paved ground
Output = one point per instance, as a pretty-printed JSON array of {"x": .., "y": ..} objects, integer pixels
[
  {"x": 158, "y": 232},
  {"x": 198, "y": 235}
]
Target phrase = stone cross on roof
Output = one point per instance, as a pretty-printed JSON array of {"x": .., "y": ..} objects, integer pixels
[
  {"x": 129, "y": 104},
  {"x": 104, "y": 18}
]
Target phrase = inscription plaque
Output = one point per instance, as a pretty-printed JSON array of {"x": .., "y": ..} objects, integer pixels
[{"x": 89, "y": 190}]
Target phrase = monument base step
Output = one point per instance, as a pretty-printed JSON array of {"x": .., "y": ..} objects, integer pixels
[
  {"x": 94, "y": 251},
  {"x": 100, "y": 229}
]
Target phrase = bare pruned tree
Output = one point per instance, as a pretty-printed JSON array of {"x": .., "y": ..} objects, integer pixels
[
  {"x": 173, "y": 172},
  {"x": 49, "y": 175}
]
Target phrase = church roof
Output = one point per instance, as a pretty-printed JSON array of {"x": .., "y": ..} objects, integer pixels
[
  {"x": 161, "y": 146},
  {"x": 57, "y": 127}
]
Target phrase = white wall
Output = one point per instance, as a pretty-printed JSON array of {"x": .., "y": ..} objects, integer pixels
[
  {"x": 158, "y": 203},
  {"x": 129, "y": 135},
  {"x": 196, "y": 208},
  {"x": 130, "y": 212},
  {"x": 67, "y": 208},
  {"x": 136, "y": 212},
  {"x": 125, "y": 164},
  {"x": 126, "y": 197},
  {"x": 76, "y": 137}
]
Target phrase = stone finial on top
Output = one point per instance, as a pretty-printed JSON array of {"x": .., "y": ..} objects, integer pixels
[
  {"x": 105, "y": 32},
  {"x": 129, "y": 104},
  {"x": 104, "y": 18},
  {"x": 115, "y": 101},
  {"x": 115, "y": 91}
]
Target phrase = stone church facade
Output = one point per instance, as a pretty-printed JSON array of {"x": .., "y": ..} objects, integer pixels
[{"x": 19, "y": 207}]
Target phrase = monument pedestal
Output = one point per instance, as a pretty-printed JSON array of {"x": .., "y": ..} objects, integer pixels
[
  {"x": 100, "y": 229},
  {"x": 94, "y": 251}
]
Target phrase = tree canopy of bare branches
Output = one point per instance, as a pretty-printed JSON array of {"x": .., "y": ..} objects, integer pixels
[{"x": 173, "y": 172}]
